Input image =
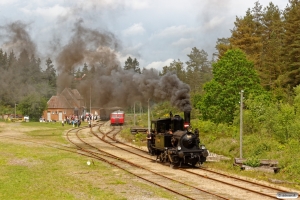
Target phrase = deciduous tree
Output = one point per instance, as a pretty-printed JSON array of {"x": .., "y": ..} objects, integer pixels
[{"x": 231, "y": 74}]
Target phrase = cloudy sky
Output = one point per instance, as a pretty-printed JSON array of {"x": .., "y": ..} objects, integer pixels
[{"x": 156, "y": 32}]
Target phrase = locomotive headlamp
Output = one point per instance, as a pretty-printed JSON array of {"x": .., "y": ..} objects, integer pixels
[
  {"x": 179, "y": 148},
  {"x": 202, "y": 147}
]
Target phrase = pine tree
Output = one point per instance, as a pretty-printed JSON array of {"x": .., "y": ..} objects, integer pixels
[
  {"x": 223, "y": 44},
  {"x": 50, "y": 73},
  {"x": 12, "y": 60},
  {"x": 3, "y": 60},
  {"x": 246, "y": 36},
  {"x": 198, "y": 70},
  {"x": 175, "y": 67},
  {"x": 85, "y": 69},
  {"x": 272, "y": 40},
  {"x": 291, "y": 45},
  {"x": 132, "y": 65}
]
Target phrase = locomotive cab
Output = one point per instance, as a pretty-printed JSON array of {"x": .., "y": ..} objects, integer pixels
[{"x": 161, "y": 127}]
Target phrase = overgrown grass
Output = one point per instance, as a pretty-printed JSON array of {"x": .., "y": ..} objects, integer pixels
[{"x": 225, "y": 140}]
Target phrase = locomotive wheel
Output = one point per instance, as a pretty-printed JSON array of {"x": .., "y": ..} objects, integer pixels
[
  {"x": 153, "y": 153},
  {"x": 194, "y": 163},
  {"x": 202, "y": 159},
  {"x": 174, "y": 165},
  {"x": 161, "y": 159}
]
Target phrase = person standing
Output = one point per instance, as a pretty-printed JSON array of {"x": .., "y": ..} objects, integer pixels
[
  {"x": 149, "y": 137},
  {"x": 90, "y": 123}
]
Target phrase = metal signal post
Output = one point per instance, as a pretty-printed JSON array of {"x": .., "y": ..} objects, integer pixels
[
  {"x": 149, "y": 115},
  {"x": 241, "y": 125},
  {"x": 15, "y": 110}
]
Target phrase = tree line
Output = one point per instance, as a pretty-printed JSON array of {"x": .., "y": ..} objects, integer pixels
[
  {"x": 23, "y": 82},
  {"x": 270, "y": 38},
  {"x": 266, "y": 37},
  {"x": 260, "y": 59}
]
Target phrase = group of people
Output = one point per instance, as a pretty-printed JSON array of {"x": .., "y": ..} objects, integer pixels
[{"x": 75, "y": 120}]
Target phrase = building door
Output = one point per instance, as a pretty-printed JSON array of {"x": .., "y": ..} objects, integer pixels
[
  {"x": 48, "y": 116},
  {"x": 60, "y": 116}
]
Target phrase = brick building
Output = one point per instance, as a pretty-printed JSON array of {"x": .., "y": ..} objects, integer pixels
[{"x": 68, "y": 102}]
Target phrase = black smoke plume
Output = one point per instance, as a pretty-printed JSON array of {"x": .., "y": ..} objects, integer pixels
[
  {"x": 110, "y": 85},
  {"x": 16, "y": 38}
]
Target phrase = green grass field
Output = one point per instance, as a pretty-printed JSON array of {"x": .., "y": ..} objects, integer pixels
[{"x": 31, "y": 170}]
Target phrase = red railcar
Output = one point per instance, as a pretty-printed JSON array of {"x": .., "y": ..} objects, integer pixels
[{"x": 117, "y": 117}]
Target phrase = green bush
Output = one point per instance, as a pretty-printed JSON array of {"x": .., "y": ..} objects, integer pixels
[
  {"x": 140, "y": 137},
  {"x": 203, "y": 126},
  {"x": 126, "y": 134},
  {"x": 252, "y": 162}
]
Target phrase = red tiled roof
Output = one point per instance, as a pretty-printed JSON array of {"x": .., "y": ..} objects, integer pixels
[{"x": 68, "y": 98}]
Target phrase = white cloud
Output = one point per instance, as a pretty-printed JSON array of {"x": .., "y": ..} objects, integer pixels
[
  {"x": 48, "y": 12},
  {"x": 137, "y": 4},
  {"x": 131, "y": 4},
  {"x": 135, "y": 29},
  {"x": 214, "y": 22},
  {"x": 94, "y": 4},
  {"x": 158, "y": 65},
  {"x": 7, "y": 2},
  {"x": 134, "y": 48},
  {"x": 176, "y": 31},
  {"x": 186, "y": 51},
  {"x": 184, "y": 42}
]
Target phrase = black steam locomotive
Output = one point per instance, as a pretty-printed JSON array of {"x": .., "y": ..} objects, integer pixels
[{"x": 174, "y": 141}]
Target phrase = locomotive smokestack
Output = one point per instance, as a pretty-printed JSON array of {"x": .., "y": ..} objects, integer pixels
[{"x": 187, "y": 118}]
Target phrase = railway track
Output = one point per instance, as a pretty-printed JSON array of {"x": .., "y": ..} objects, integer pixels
[
  {"x": 104, "y": 151},
  {"x": 242, "y": 186},
  {"x": 100, "y": 143}
]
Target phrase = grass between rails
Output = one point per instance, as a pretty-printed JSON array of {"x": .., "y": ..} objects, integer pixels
[{"x": 33, "y": 171}]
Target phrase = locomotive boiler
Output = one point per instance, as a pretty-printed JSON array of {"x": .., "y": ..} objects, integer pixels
[{"x": 173, "y": 141}]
